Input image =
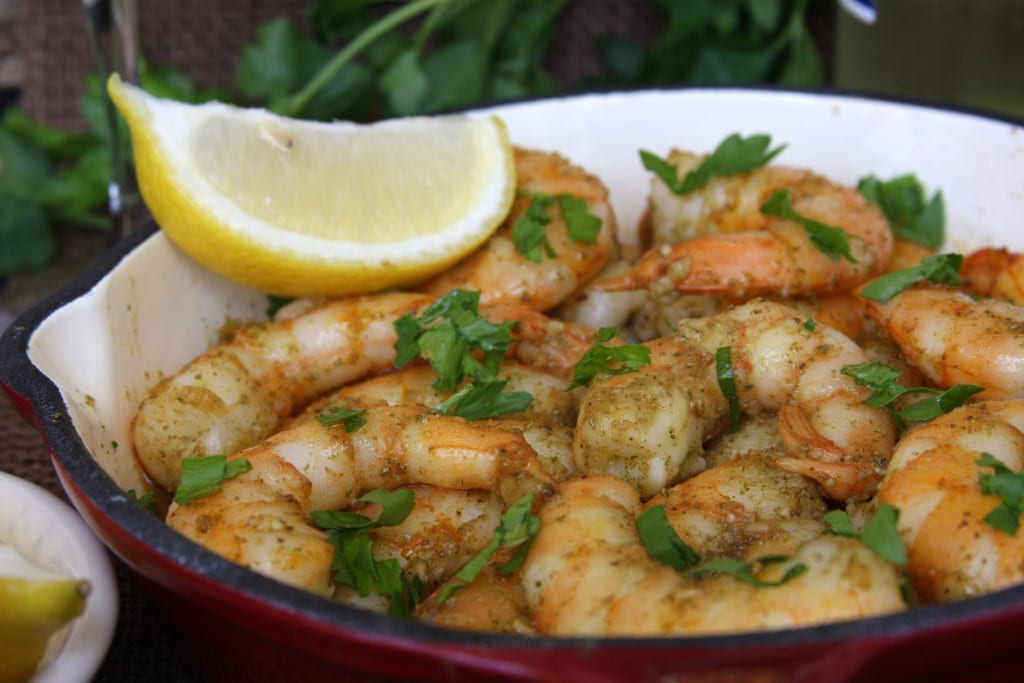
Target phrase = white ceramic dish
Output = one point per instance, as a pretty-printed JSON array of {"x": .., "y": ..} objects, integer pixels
[
  {"x": 50, "y": 535},
  {"x": 93, "y": 351}
]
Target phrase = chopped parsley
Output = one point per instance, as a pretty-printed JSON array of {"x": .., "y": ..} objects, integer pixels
[
  {"x": 517, "y": 527},
  {"x": 941, "y": 268},
  {"x": 880, "y": 533},
  {"x": 460, "y": 344},
  {"x": 902, "y": 200},
  {"x": 354, "y": 564},
  {"x": 727, "y": 383},
  {"x": 351, "y": 418},
  {"x": 608, "y": 360},
  {"x": 1009, "y": 486},
  {"x": 733, "y": 155},
  {"x": 530, "y": 236},
  {"x": 828, "y": 239},
  {"x": 883, "y": 381},
  {"x": 664, "y": 545},
  {"x": 202, "y": 476}
]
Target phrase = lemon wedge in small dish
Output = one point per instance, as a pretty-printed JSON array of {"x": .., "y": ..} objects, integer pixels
[
  {"x": 32, "y": 612},
  {"x": 303, "y": 208}
]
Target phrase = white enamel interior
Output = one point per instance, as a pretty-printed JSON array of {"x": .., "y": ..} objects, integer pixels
[{"x": 157, "y": 309}]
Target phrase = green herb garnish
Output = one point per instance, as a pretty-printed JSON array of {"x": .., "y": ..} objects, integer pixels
[
  {"x": 608, "y": 360},
  {"x": 664, "y": 545},
  {"x": 481, "y": 400},
  {"x": 529, "y": 234},
  {"x": 733, "y": 155},
  {"x": 354, "y": 564},
  {"x": 447, "y": 333},
  {"x": 941, "y": 268},
  {"x": 810, "y": 325},
  {"x": 351, "y": 418},
  {"x": 880, "y": 533},
  {"x": 744, "y": 571},
  {"x": 910, "y": 217},
  {"x": 828, "y": 239},
  {"x": 1009, "y": 486},
  {"x": 145, "y": 501},
  {"x": 727, "y": 383},
  {"x": 203, "y": 476},
  {"x": 882, "y": 380},
  {"x": 517, "y": 527},
  {"x": 662, "y": 542}
]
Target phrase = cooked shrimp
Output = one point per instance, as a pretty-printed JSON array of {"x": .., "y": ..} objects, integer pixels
[
  {"x": 780, "y": 364},
  {"x": 994, "y": 272},
  {"x": 445, "y": 529},
  {"x": 504, "y": 275},
  {"x": 955, "y": 339},
  {"x": 715, "y": 240},
  {"x": 237, "y": 393},
  {"x": 492, "y": 602},
  {"x": 413, "y": 385},
  {"x": 746, "y": 508},
  {"x": 933, "y": 480},
  {"x": 648, "y": 426},
  {"x": 260, "y": 518},
  {"x": 587, "y": 574}
]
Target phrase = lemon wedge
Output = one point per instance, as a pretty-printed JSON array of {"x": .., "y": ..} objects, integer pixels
[
  {"x": 32, "y": 611},
  {"x": 303, "y": 208}
]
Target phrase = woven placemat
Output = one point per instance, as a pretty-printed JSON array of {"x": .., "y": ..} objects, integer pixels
[{"x": 144, "y": 647}]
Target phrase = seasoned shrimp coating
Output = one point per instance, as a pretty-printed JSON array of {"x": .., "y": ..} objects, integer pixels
[
  {"x": 413, "y": 385},
  {"x": 994, "y": 272},
  {"x": 259, "y": 518},
  {"x": 746, "y": 508},
  {"x": 502, "y": 274},
  {"x": 587, "y": 573},
  {"x": 237, "y": 393},
  {"x": 648, "y": 427},
  {"x": 716, "y": 240},
  {"x": 953, "y": 338},
  {"x": 952, "y": 552},
  {"x": 493, "y": 602},
  {"x": 783, "y": 364}
]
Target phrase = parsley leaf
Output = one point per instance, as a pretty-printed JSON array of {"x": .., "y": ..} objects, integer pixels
[
  {"x": 354, "y": 564},
  {"x": 733, "y": 155},
  {"x": 664, "y": 545},
  {"x": 745, "y": 571},
  {"x": 145, "y": 501},
  {"x": 1009, "y": 486},
  {"x": 662, "y": 542},
  {"x": 529, "y": 234},
  {"x": 581, "y": 225},
  {"x": 882, "y": 380},
  {"x": 902, "y": 201},
  {"x": 940, "y": 268},
  {"x": 608, "y": 360},
  {"x": 202, "y": 476},
  {"x": 446, "y": 333},
  {"x": 351, "y": 418},
  {"x": 481, "y": 400},
  {"x": 880, "y": 533},
  {"x": 828, "y": 239},
  {"x": 727, "y": 383},
  {"x": 517, "y": 527}
]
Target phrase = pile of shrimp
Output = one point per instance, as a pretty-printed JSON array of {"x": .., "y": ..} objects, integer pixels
[{"x": 748, "y": 476}]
